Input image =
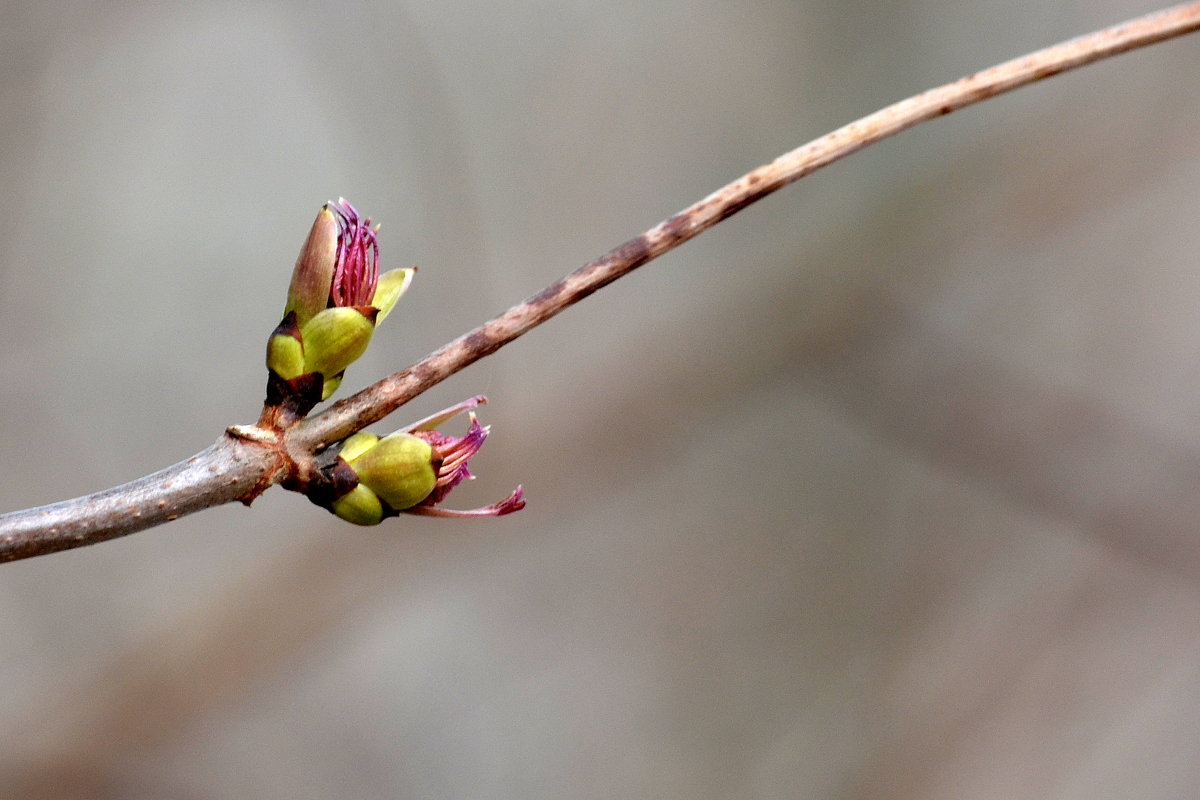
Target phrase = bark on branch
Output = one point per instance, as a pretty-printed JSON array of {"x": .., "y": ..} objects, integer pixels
[{"x": 247, "y": 461}]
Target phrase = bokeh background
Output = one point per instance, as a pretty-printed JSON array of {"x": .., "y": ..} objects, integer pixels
[{"x": 886, "y": 487}]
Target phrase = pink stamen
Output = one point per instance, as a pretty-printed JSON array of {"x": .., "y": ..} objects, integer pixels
[
  {"x": 356, "y": 273},
  {"x": 454, "y": 454},
  {"x": 514, "y": 502}
]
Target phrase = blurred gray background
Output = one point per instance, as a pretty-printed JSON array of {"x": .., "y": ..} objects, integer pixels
[{"x": 887, "y": 487}]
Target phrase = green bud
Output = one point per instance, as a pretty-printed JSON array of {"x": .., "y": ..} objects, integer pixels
[
  {"x": 285, "y": 356},
  {"x": 357, "y": 444},
  {"x": 335, "y": 338},
  {"x": 308, "y": 292},
  {"x": 399, "y": 468},
  {"x": 330, "y": 386},
  {"x": 392, "y": 286},
  {"x": 360, "y": 506},
  {"x": 335, "y": 299}
]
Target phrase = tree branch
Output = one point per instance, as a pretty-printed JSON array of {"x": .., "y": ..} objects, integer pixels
[
  {"x": 226, "y": 471},
  {"x": 377, "y": 401},
  {"x": 247, "y": 461}
]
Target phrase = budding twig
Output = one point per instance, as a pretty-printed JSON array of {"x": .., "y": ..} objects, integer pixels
[
  {"x": 377, "y": 401},
  {"x": 242, "y": 463}
]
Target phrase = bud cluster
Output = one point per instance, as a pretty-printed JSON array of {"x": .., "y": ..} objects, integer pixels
[
  {"x": 336, "y": 299},
  {"x": 409, "y": 471}
]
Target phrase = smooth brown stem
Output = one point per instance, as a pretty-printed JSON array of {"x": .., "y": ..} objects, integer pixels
[
  {"x": 377, "y": 401},
  {"x": 239, "y": 467}
]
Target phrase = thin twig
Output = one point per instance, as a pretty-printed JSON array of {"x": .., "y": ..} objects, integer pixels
[
  {"x": 377, "y": 401},
  {"x": 241, "y": 465}
]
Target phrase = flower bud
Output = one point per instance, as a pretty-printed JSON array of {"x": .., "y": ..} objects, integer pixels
[
  {"x": 285, "y": 351},
  {"x": 360, "y": 506},
  {"x": 409, "y": 471},
  {"x": 330, "y": 385},
  {"x": 399, "y": 468},
  {"x": 308, "y": 293},
  {"x": 335, "y": 338},
  {"x": 357, "y": 444},
  {"x": 336, "y": 298}
]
